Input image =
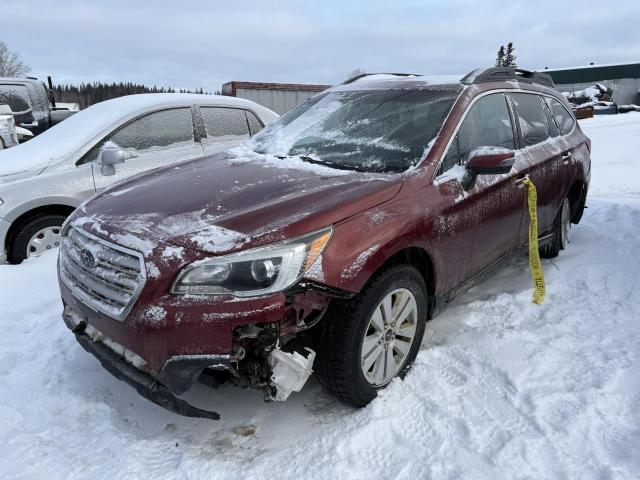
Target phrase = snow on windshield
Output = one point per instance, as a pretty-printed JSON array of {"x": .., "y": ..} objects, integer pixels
[{"x": 367, "y": 130}]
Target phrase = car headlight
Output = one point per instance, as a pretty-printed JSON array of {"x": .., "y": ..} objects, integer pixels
[{"x": 255, "y": 272}]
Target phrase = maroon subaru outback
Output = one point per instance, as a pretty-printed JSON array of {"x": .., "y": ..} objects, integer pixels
[{"x": 327, "y": 242}]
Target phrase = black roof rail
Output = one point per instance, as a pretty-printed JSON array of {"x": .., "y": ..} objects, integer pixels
[
  {"x": 505, "y": 74},
  {"x": 362, "y": 75}
]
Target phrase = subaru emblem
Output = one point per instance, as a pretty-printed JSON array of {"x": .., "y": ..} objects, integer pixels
[{"x": 87, "y": 258}]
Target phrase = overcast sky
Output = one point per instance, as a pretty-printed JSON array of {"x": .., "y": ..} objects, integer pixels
[{"x": 199, "y": 43}]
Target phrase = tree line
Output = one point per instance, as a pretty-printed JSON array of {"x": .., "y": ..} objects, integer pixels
[{"x": 86, "y": 94}]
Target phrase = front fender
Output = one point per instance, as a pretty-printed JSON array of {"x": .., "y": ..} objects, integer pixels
[{"x": 361, "y": 244}]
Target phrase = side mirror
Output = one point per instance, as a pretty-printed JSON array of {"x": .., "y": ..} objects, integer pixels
[
  {"x": 490, "y": 160},
  {"x": 108, "y": 159}
]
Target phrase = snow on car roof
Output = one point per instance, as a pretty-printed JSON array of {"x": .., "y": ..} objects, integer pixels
[
  {"x": 389, "y": 80},
  {"x": 75, "y": 132}
]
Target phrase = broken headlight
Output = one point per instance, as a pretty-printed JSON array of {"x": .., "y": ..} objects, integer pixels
[{"x": 255, "y": 272}]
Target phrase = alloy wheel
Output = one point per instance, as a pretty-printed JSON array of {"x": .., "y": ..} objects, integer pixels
[
  {"x": 565, "y": 224},
  {"x": 389, "y": 337}
]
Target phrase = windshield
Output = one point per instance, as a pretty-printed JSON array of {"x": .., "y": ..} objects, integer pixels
[{"x": 373, "y": 130}]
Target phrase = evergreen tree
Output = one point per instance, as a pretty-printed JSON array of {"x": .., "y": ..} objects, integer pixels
[
  {"x": 87, "y": 94},
  {"x": 509, "y": 56},
  {"x": 500, "y": 57}
]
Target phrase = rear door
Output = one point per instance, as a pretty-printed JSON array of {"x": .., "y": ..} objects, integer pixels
[
  {"x": 569, "y": 166},
  {"x": 479, "y": 225},
  {"x": 153, "y": 140},
  {"x": 538, "y": 156},
  {"x": 225, "y": 128}
]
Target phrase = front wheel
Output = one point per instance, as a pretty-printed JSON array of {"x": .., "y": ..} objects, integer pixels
[
  {"x": 373, "y": 338},
  {"x": 35, "y": 236}
]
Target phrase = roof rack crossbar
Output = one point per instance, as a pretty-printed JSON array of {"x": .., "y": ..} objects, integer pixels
[
  {"x": 362, "y": 75},
  {"x": 503, "y": 74}
]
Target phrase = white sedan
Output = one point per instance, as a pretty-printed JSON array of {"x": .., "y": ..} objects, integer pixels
[{"x": 44, "y": 180}]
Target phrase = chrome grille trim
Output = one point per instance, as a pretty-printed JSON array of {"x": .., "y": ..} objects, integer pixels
[{"x": 111, "y": 286}]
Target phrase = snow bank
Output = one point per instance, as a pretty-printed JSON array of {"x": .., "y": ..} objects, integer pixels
[{"x": 502, "y": 388}]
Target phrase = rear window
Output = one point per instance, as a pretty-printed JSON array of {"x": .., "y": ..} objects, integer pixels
[
  {"x": 531, "y": 118},
  {"x": 365, "y": 130},
  {"x": 16, "y": 96},
  {"x": 563, "y": 118}
]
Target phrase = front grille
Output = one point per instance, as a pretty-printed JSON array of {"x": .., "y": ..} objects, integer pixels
[{"x": 105, "y": 276}]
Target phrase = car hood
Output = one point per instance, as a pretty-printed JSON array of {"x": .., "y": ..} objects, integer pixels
[{"x": 223, "y": 203}]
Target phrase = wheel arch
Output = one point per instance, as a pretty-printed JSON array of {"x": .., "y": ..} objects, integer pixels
[
  {"x": 413, "y": 255},
  {"x": 19, "y": 221}
]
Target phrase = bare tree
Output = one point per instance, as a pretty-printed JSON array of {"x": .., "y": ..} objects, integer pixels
[{"x": 11, "y": 65}]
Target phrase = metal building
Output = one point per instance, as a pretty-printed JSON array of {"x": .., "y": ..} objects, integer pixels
[
  {"x": 622, "y": 78},
  {"x": 279, "y": 97}
]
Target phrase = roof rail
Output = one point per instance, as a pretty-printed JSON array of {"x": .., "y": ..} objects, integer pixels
[
  {"x": 504, "y": 74},
  {"x": 362, "y": 75}
]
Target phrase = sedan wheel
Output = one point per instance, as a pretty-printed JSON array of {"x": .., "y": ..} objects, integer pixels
[
  {"x": 389, "y": 337},
  {"x": 43, "y": 240}
]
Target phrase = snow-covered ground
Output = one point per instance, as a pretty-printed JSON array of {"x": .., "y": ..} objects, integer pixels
[{"x": 502, "y": 388}]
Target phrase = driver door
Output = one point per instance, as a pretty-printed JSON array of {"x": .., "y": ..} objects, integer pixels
[
  {"x": 481, "y": 223},
  {"x": 154, "y": 140}
]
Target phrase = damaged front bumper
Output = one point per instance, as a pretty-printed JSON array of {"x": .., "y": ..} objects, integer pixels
[{"x": 176, "y": 377}]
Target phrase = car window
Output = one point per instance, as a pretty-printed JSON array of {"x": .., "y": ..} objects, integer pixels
[
  {"x": 16, "y": 96},
  {"x": 254, "y": 123},
  {"x": 157, "y": 130},
  {"x": 225, "y": 123},
  {"x": 563, "y": 118},
  {"x": 487, "y": 124},
  {"x": 531, "y": 118},
  {"x": 553, "y": 128}
]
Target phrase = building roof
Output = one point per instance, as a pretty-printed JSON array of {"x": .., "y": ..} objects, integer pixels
[
  {"x": 230, "y": 88},
  {"x": 594, "y": 73}
]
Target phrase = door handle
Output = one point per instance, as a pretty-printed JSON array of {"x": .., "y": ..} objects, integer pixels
[
  {"x": 520, "y": 180},
  {"x": 566, "y": 158}
]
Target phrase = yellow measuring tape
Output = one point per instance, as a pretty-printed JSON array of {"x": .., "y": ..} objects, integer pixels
[{"x": 534, "y": 253}]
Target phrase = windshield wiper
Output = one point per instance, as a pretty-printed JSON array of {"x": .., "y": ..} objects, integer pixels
[{"x": 338, "y": 166}]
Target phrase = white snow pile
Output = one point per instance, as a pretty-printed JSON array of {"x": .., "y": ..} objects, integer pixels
[
  {"x": 502, "y": 388},
  {"x": 594, "y": 96}
]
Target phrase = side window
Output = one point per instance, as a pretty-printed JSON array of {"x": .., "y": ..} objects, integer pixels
[
  {"x": 16, "y": 96},
  {"x": 563, "y": 118},
  {"x": 158, "y": 129},
  {"x": 225, "y": 122},
  {"x": 488, "y": 124},
  {"x": 155, "y": 130},
  {"x": 553, "y": 128},
  {"x": 254, "y": 123},
  {"x": 531, "y": 118}
]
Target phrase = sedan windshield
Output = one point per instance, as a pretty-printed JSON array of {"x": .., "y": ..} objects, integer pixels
[{"x": 372, "y": 130}]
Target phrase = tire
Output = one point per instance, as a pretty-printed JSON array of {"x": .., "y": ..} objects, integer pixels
[
  {"x": 20, "y": 241},
  {"x": 561, "y": 232},
  {"x": 1, "y": 144},
  {"x": 340, "y": 365}
]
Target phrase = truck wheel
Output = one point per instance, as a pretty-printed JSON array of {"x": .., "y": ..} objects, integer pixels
[
  {"x": 1, "y": 144},
  {"x": 561, "y": 232},
  {"x": 374, "y": 337},
  {"x": 35, "y": 236}
]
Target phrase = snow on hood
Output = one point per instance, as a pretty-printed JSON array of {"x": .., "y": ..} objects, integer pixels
[{"x": 218, "y": 204}]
